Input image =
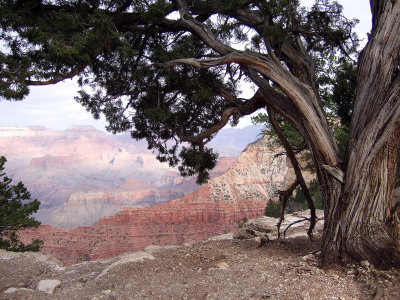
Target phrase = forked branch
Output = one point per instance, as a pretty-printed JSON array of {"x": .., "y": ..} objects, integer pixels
[
  {"x": 296, "y": 168},
  {"x": 283, "y": 199}
]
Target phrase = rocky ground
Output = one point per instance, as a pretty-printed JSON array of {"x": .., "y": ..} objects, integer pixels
[{"x": 220, "y": 268}]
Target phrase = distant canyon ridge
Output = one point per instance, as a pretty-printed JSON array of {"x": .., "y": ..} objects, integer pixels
[
  {"x": 81, "y": 174},
  {"x": 126, "y": 199}
]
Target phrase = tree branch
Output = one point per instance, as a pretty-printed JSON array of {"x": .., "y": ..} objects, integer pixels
[
  {"x": 200, "y": 29},
  {"x": 75, "y": 71},
  {"x": 227, "y": 113},
  {"x": 262, "y": 62},
  {"x": 295, "y": 222},
  {"x": 283, "y": 199},
  {"x": 243, "y": 109},
  {"x": 296, "y": 168},
  {"x": 278, "y": 101},
  {"x": 97, "y": 49}
]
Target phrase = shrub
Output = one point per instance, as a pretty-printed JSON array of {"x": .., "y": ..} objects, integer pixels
[
  {"x": 16, "y": 206},
  {"x": 272, "y": 209}
]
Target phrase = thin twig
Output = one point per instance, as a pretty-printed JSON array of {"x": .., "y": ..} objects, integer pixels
[{"x": 295, "y": 222}]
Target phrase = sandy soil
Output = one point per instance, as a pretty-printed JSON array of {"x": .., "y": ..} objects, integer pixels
[{"x": 215, "y": 269}]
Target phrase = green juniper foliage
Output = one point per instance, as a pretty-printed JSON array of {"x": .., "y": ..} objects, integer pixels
[
  {"x": 16, "y": 206},
  {"x": 315, "y": 194}
]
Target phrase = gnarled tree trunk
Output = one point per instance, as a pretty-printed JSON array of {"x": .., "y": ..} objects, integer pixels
[
  {"x": 361, "y": 222},
  {"x": 369, "y": 227}
]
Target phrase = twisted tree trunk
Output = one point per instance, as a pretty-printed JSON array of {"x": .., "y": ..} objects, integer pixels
[{"x": 362, "y": 222}]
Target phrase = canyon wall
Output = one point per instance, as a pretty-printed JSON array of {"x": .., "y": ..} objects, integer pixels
[
  {"x": 215, "y": 208},
  {"x": 81, "y": 174}
]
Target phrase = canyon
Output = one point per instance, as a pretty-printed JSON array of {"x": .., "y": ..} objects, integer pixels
[
  {"x": 106, "y": 195},
  {"x": 215, "y": 208},
  {"x": 81, "y": 174}
]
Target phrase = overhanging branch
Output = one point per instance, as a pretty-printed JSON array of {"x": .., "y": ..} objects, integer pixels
[
  {"x": 96, "y": 50},
  {"x": 262, "y": 62},
  {"x": 200, "y": 29},
  {"x": 242, "y": 109},
  {"x": 75, "y": 71},
  {"x": 198, "y": 139}
]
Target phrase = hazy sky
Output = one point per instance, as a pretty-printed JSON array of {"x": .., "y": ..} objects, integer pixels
[{"x": 54, "y": 106}]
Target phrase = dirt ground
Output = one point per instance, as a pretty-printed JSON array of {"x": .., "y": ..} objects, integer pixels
[{"x": 214, "y": 269}]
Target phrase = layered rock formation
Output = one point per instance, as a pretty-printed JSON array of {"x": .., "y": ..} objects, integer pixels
[
  {"x": 77, "y": 173},
  {"x": 214, "y": 208}
]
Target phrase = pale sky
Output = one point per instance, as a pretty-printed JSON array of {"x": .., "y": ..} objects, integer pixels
[{"x": 55, "y": 108}]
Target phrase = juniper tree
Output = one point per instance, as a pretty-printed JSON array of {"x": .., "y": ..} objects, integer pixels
[
  {"x": 16, "y": 206},
  {"x": 170, "y": 72}
]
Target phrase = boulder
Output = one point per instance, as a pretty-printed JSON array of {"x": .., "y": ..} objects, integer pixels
[
  {"x": 125, "y": 259},
  {"x": 244, "y": 234},
  {"x": 258, "y": 228},
  {"x": 48, "y": 285}
]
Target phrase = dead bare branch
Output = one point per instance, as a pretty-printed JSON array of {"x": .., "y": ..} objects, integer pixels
[
  {"x": 295, "y": 222},
  {"x": 297, "y": 170},
  {"x": 283, "y": 199}
]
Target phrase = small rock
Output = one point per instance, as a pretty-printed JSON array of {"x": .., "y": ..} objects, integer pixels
[
  {"x": 244, "y": 234},
  {"x": 365, "y": 264},
  {"x": 48, "y": 285},
  {"x": 308, "y": 257},
  {"x": 222, "y": 265},
  {"x": 351, "y": 272},
  {"x": 10, "y": 290},
  {"x": 13, "y": 290},
  {"x": 222, "y": 237}
]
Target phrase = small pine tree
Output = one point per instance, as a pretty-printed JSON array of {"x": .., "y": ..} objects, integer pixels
[
  {"x": 316, "y": 194},
  {"x": 272, "y": 209},
  {"x": 298, "y": 201},
  {"x": 16, "y": 206}
]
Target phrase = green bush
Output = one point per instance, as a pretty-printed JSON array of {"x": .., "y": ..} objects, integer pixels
[
  {"x": 298, "y": 201},
  {"x": 316, "y": 194},
  {"x": 272, "y": 209},
  {"x": 15, "y": 207}
]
